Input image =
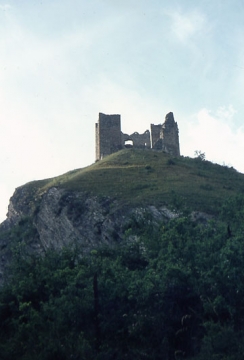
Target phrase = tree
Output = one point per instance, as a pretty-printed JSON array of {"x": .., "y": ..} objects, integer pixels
[{"x": 200, "y": 155}]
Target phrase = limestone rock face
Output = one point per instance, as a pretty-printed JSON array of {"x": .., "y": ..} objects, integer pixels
[
  {"x": 67, "y": 218},
  {"x": 61, "y": 218},
  {"x": 19, "y": 206},
  {"x": 64, "y": 217}
]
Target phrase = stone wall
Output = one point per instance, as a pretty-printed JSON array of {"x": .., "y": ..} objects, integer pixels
[
  {"x": 110, "y": 139},
  {"x": 170, "y": 135},
  {"x": 108, "y": 135},
  {"x": 140, "y": 141},
  {"x": 165, "y": 137},
  {"x": 155, "y": 133}
]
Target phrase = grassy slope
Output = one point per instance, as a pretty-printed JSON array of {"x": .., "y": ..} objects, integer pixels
[{"x": 139, "y": 177}]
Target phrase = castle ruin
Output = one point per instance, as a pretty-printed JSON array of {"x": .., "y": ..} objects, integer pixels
[{"x": 110, "y": 138}]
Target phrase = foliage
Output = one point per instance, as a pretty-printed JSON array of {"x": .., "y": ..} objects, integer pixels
[
  {"x": 200, "y": 155},
  {"x": 141, "y": 177},
  {"x": 176, "y": 291}
]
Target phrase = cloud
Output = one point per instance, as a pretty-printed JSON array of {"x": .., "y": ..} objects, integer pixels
[
  {"x": 226, "y": 113},
  {"x": 214, "y": 134},
  {"x": 5, "y": 7},
  {"x": 186, "y": 25}
]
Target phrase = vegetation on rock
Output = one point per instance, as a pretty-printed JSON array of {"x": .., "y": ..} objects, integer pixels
[
  {"x": 169, "y": 290},
  {"x": 175, "y": 292}
]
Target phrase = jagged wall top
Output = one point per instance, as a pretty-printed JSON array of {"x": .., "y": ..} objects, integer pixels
[
  {"x": 110, "y": 138},
  {"x": 165, "y": 137}
]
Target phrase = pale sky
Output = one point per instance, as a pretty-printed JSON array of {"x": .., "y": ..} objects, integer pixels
[{"x": 64, "y": 61}]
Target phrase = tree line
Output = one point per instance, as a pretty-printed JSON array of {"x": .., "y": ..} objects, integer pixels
[{"x": 176, "y": 291}]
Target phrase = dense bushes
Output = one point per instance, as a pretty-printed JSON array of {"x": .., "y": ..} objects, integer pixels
[{"x": 178, "y": 292}]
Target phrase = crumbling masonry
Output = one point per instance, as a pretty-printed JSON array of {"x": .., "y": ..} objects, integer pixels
[{"x": 110, "y": 138}]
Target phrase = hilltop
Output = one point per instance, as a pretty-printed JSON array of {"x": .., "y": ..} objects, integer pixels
[
  {"x": 144, "y": 177},
  {"x": 94, "y": 205}
]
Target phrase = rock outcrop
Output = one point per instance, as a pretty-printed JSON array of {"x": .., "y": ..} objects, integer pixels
[{"x": 61, "y": 218}]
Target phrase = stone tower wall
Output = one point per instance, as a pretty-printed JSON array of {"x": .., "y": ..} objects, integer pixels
[
  {"x": 155, "y": 133},
  {"x": 170, "y": 135},
  {"x": 97, "y": 141},
  {"x": 108, "y": 135}
]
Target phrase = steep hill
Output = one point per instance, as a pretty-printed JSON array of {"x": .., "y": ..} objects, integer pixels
[
  {"x": 94, "y": 205},
  {"x": 138, "y": 256},
  {"x": 141, "y": 177}
]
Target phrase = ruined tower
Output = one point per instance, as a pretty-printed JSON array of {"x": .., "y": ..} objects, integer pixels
[
  {"x": 165, "y": 137},
  {"x": 108, "y": 135},
  {"x": 110, "y": 139},
  {"x": 155, "y": 136}
]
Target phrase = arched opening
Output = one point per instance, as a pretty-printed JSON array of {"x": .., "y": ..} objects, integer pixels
[{"x": 129, "y": 144}]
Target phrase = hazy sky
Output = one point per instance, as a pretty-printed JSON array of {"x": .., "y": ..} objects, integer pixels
[{"x": 64, "y": 61}]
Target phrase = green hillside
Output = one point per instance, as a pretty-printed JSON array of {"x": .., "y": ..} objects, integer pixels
[
  {"x": 139, "y": 177},
  {"x": 168, "y": 290}
]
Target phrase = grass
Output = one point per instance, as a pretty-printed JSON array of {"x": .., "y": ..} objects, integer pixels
[{"x": 144, "y": 177}]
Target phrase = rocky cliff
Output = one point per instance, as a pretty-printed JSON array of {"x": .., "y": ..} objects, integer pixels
[
  {"x": 68, "y": 218},
  {"x": 97, "y": 205}
]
